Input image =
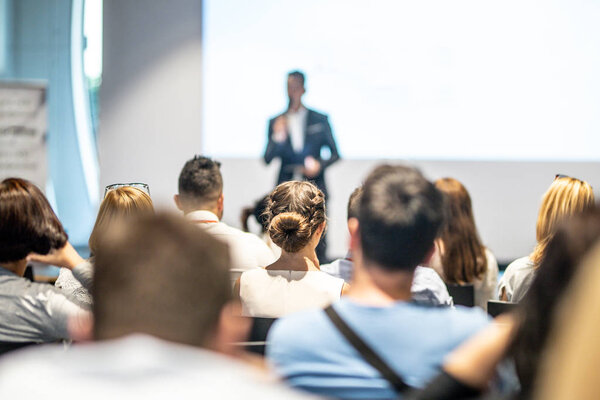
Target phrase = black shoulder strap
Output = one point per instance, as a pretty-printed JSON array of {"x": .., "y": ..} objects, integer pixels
[{"x": 367, "y": 353}]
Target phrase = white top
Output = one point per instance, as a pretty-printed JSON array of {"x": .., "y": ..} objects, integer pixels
[
  {"x": 133, "y": 367},
  {"x": 296, "y": 121},
  {"x": 247, "y": 251},
  {"x": 517, "y": 279},
  {"x": 340, "y": 268},
  {"x": 429, "y": 288},
  {"x": 485, "y": 289},
  {"x": 272, "y": 294}
]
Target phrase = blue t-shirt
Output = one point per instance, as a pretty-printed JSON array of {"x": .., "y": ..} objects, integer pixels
[{"x": 311, "y": 354}]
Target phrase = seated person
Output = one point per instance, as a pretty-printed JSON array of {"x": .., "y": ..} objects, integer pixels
[
  {"x": 296, "y": 220},
  {"x": 29, "y": 311},
  {"x": 566, "y": 196},
  {"x": 162, "y": 324},
  {"x": 201, "y": 200},
  {"x": 463, "y": 259},
  {"x": 400, "y": 213},
  {"x": 122, "y": 202},
  {"x": 427, "y": 287}
]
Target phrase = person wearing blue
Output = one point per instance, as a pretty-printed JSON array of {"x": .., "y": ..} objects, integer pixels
[{"x": 400, "y": 213}]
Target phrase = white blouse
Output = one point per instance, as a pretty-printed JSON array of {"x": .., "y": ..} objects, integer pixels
[{"x": 275, "y": 293}]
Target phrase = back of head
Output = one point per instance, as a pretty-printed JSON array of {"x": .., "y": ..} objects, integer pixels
[
  {"x": 354, "y": 203},
  {"x": 400, "y": 215},
  {"x": 200, "y": 182},
  {"x": 161, "y": 276},
  {"x": 464, "y": 256},
  {"x": 120, "y": 203},
  {"x": 27, "y": 222},
  {"x": 566, "y": 196},
  {"x": 294, "y": 212},
  {"x": 574, "y": 237}
]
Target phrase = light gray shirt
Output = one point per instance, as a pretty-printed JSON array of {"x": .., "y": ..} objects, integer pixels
[{"x": 36, "y": 312}]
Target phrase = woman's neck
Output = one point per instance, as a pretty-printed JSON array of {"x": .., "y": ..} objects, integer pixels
[
  {"x": 17, "y": 267},
  {"x": 303, "y": 260}
]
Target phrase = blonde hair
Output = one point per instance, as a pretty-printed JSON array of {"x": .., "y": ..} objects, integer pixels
[
  {"x": 119, "y": 203},
  {"x": 571, "y": 364},
  {"x": 566, "y": 196}
]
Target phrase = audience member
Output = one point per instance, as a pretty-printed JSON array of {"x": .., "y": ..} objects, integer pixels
[
  {"x": 31, "y": 312},
  {"x": 469, "y": 369},
  {"x": 463, "y": 259},
  {"x": 400, "y": 214},
  {"x": 570, "y": 366},
  {"x": 427, "y": 287},
  {"x": 296, "y": 220},
  {"x": 566, "y": 196},
  {"x": 201, "y": 200},
  {"x": 160, "y": 321},
  {"x": 119, "y": 203},
  {"x": 258, "y": 212},
  {"x": 342, "y": 268}
]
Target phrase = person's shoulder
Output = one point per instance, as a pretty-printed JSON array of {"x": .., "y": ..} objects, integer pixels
[
  {"x": 274, "y": 117},
  {"x": 317, "y": 115},
  {"x": 291, "y": 331}
]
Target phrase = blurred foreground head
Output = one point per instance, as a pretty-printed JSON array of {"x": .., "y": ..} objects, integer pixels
[{"x": 161, "y": 276}]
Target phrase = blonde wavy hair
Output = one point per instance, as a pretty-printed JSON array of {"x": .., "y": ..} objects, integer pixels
[
  {"x": 566, "y": 196},
  {"x": 119, "y": 203}
]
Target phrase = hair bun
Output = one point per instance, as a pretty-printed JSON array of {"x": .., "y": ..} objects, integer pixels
[{"x": 290, "y": 231}]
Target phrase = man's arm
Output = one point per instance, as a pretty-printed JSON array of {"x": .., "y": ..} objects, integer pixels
[
  {"x": 329, "y": 142},
  {"x": 276, "y": 141}
]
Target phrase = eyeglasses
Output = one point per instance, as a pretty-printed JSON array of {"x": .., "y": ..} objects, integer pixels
[{"x": 141, "y": 186}]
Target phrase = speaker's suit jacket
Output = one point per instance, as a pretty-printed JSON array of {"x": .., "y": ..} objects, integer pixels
[{"x": 317, "y": 135}]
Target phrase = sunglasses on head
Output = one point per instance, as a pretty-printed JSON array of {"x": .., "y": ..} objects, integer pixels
[{"x": 141, "y": 186}]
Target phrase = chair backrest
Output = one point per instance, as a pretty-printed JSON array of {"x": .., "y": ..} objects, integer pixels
[
  {"x": 6, "y": 347},
  {"x": 257, "y": 339},
  {"x": 497, "y": 307},
  {"x": 463, "y": 295}
]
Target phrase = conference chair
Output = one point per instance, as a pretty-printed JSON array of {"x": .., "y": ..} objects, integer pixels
[
  {"x": 497, "y": 307},
  {"x": 463, "y": 295}
]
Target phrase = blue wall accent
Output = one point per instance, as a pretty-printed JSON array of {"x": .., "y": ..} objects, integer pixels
[{"x": 39, "y": 49}]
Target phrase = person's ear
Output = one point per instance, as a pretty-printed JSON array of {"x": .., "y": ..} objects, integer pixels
[
  {"x": 354, "y": 229},
  {"x": 232, "y": 328},
  {"x": 177, "y": 201},
  {"x": 220, "y": 205},
  {"x": 81, "y": 327}
]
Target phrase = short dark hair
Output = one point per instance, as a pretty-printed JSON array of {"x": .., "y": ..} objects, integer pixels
[
  {"x": 354, "y": 203},
  {"x": 400, "y": 215},
  {"x": 27, "y": 222},
  {"x": 162, "y": 276},
  {"x": 200, "y": 181},
  {"x": 297, "y": 75}
]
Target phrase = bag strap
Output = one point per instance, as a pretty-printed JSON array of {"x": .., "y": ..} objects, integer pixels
[{"x": 366, "y": 352}]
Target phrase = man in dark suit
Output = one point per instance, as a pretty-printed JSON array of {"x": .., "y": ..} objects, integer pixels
[{"x": 298, "y": 137}]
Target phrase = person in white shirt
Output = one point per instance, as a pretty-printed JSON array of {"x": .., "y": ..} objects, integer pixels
[
  {"x": 163, "y": 326},
  {"x": 201, "y": 199},
  {"x": 296, "y": 220}
]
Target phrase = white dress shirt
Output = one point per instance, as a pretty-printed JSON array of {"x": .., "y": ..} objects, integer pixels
[
  {"x": 247, "y": 251},
  {"x": 296, "y": 122}
]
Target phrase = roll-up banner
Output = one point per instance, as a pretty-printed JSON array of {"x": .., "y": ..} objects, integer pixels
[{"x": 23, "y": 129}]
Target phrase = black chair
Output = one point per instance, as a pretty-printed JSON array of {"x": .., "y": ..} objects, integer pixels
[
  {"x": 497, "y": 307},
  {"x": 258, "y": 334},
  {"x": 6, "y": 347},
  {"x": 463, "y": 295}
]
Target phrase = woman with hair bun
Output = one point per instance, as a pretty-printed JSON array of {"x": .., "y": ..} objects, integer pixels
[{"x": 295, "y": 215}]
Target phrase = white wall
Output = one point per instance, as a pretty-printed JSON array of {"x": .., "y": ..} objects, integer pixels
[
  {"x": 150, "y": 118},
  {"x": 505, "y": 195},
  {"x": 150, "y": 99}
]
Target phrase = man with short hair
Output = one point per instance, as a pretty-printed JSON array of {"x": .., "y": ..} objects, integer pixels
[
  {"x": 400, "y": 214},
  {"x": 201, "y": 200},
  {"x": 163, "y": 310}
]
